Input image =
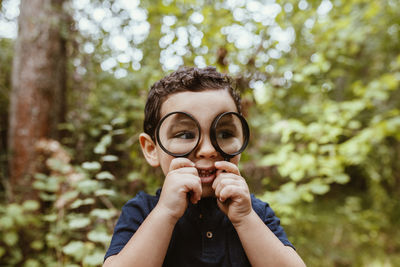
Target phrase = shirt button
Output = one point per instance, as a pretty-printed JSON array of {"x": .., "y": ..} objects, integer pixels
[{"x": 209, "y": 234}]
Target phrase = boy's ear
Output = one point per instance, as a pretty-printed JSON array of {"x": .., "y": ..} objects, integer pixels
[{"x": 149, "y": 149}]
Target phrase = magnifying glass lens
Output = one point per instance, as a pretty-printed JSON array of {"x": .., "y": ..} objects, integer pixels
[
  {"x": 230, "y": 134},
  {"x": 178, "y": 134}
]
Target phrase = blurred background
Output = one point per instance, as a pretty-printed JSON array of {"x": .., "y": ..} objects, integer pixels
[{"x": 320, "y": 82}]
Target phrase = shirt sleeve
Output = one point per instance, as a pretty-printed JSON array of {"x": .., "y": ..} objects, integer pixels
[
  {"x": 134, "y": 212},
  {"x": 268, "y": 216}
]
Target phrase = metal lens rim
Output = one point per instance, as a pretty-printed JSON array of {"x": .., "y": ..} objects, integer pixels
[
  {"x": 158, "y": 134},
  {"x": 213, "y": 135}
]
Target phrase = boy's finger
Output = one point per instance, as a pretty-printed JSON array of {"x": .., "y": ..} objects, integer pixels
[
  {"x": 231, "y": 191},
  {"x": 195, "y": 196},
  {"x": 227, "y": 167},
  {"x": 187, "y": 170},
  {"x": 195, "y": 190},
  {"x": 178, "y": 163},
  {"x": 222, "y": 176},
  {"x": 224, "y": 183}
]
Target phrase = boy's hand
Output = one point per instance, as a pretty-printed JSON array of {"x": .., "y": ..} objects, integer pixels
[
  {"x": 181, "y": 181},
  {"x": 232, "y": 192}
]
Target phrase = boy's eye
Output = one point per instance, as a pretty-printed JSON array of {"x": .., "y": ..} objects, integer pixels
[
  {"x": 185, "y": 135},
  {"x": 225, "y": 135}
]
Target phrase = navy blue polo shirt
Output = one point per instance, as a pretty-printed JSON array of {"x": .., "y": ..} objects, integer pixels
[{"x": 203, "y": 236}]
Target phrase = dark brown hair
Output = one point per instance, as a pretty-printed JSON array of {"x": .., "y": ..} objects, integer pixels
[{"x": 184, "y": 79}]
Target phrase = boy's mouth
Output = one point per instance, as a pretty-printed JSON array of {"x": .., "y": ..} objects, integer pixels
[{"x": 206, "y": 175}]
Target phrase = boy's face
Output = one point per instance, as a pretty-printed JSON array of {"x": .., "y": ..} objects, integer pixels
[{"x": 204, "y": 106}]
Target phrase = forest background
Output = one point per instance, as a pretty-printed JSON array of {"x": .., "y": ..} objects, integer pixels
[{"x": 321, "y": 90}]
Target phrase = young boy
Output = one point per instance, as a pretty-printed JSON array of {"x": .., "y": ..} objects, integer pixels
[{"x": 204, "y": 215}]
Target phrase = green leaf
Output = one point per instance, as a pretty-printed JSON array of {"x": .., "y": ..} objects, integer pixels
[
  {"x": 341, "y": 178},
  {"x": 78, "y": 223},
  {"x": 82, "y": 202},
  {"x": 105, "y": 192},
  {"x": 318, "y": 188},
  {"x": 133, "y": 176},
  {"x": 99, "y": 236},
  {"x": 6, "y": 222},
  {"x": 40, "y": 176},
  {"x": 103, "y": 213},
  {"x": 10, "y": 238},
  {"x": 52, "y": 184},
  {"x": 118, "y": 121},
  {"x": 106, "y": 127},
  {"x": 94, "y": 259},
  {"x": 31, "y": 205},
  {"x": 105, "y": 175},
  {"x": 15, "y": 210},
  {"x": 37, "y": 245},
  {"x": 75, "y": 249},
  {"x": 119, "y": 132},
  {"x": 32, "y": 263},
  {"x": 53, "y": 240},
  {"x": 109, "y": 158},
  {"x": 50, "y": 217},
  {"x": 39, "y": 185},
  {"x": 88, "y": 186},
  {"x": 58, "y": 165},
  {"x": 91, "y": 166},
  {"x": 103, "y": 144},
  {"x": 68, "y": 196}
]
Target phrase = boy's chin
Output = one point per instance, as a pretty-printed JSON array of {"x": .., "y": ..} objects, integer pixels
[{"x": 207, "y": 191}]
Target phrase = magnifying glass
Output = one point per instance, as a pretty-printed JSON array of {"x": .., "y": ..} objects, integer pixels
[
  {"x": 178, "y": 134},
  {"x": 229, "y": 134}
]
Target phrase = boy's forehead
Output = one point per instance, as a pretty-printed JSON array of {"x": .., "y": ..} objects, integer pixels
[{"x": 207, "y": 102}]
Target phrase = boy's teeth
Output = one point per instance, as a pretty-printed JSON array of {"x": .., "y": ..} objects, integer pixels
[{"x": 204, "y": 173}]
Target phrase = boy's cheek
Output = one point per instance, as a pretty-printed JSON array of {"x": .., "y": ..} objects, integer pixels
[
  {"x": 165, "y": 167},
  {"x": 165, "y": 161},
  {"x": 235, "y": 160}
]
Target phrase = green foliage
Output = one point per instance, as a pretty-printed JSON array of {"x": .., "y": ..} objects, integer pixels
[
  {"x": 336, "y": 231},
  {"x": 5, "y": 86},
  {"x": 71, "y": 223},
  {"x": 337, "y": 118}
]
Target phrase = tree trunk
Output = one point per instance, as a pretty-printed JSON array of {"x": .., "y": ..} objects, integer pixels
[{"x": 38, "y": 99}]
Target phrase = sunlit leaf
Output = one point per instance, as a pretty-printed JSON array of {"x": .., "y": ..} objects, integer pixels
[
  {"x": 109, "y": 158},
  {"x": 105, "y": 175},
  {"x": 75, "y": 249},
  {"x": 94, "y": 259},
  {"x": 10, "y": 238},
  {"x": 77, "y": 223},
  {"x": 99, "y": 236},
  {"x": 105, "y": 192},
  {"x": 31, "y": 205},
  {"x": 91, "y": 166},
  {"x": 103, "y": 213}
]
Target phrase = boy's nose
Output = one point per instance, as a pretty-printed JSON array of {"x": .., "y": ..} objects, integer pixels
[{"x": 205, "y": 148}]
